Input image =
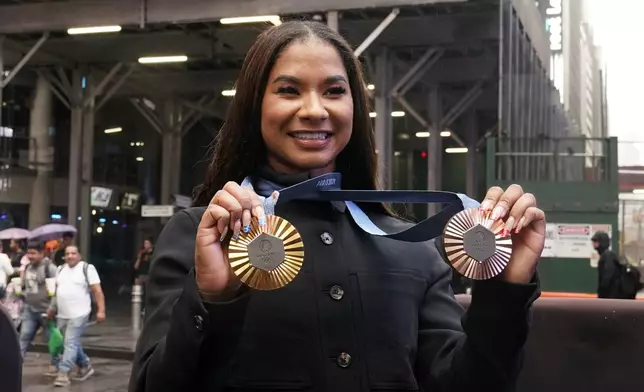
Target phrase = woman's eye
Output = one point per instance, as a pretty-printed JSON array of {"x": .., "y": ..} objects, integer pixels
[
  {"x": 287, "y": 90},
  {"x": 336, "y": 90}
]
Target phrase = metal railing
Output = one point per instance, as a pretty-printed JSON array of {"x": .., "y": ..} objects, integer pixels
[{"x": 551, "y": 159}]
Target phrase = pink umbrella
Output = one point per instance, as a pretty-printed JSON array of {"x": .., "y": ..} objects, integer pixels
[
  {"x": 51, "y": 231},
  {"x": 14, "y": 234}
]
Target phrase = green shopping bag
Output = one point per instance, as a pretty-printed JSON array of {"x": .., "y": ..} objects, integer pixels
[{"x": 56, "y": 340}]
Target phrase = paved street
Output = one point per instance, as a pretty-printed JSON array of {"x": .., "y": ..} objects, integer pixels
[{"x": 110, "y": 376}]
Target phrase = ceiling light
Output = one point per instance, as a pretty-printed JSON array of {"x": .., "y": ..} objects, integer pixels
[
  {"x": 640, "y": 191},
  {"x": 422, "y": 134},
  {"x": 371, "y": 87},
  {"x": 139, "y": 159},
  {"x": 113, "y": 130},
  {"x": 398, "y": 114},
  {"x": 229, "y": 93},
  {"x": 274, "y": 19},
  {"x": 163, "y": 59},
  {"x": 93, "y": 30},
  {"x": 456, "y": 150},
  {"x": 373, "y": 114},
  {"x": 446, "y": 134}
]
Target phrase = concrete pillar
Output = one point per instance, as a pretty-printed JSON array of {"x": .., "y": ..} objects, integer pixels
[
  {"x": 435, "y": 146},
  {"x": 41, "y": 153},
  {"x": 384, "y": 125},
  {"x": 471, "y": 137},
  {"x": 87, "y": 171},
  {"x": 75, "y": 147},
  {"x": 171, "y": 147},
  {"x": 332, "y": 20},
  {"x": 170, "y": 166}
]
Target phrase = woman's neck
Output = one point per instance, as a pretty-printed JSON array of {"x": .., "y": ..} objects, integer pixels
[{"x": 283, "y": 169}]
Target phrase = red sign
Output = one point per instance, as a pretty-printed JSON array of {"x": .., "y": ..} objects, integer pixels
[{"x": 574, "y": 230}]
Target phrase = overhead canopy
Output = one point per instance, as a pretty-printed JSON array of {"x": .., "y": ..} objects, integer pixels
[{"x": 53, "y": 16}]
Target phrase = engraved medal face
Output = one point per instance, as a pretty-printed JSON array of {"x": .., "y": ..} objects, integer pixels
[
  {"x": 266, "y": 252},
  {"x": 475, "y": 245},
  {"x": 267, "y": 258},
  {"x": 479, "y": 243}
]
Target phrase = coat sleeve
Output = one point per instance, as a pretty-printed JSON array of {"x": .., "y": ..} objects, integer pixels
[
  {"x": 477, "y": 350},
  {"x": 606, "y": 272},
  {"x": 182, "y": 333}
]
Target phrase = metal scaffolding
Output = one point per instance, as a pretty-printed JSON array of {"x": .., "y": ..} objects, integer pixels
[{"x": 530, "y": 112}]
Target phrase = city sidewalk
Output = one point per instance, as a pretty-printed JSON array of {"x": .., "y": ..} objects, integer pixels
[{"x": 112, "y": 339}]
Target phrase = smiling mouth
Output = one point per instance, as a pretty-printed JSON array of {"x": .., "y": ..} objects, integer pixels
[{"x": 310, "y": 135}]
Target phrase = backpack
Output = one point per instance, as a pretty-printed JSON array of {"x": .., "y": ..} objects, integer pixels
[
  {"x": 628, "y": 279},
  {"x": 85, "y": 268}
]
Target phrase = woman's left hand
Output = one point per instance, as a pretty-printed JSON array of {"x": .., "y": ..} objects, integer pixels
[{"x": 526, "y": 222}]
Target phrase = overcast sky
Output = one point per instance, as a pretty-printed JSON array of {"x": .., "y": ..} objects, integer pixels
[{"x": 619, "y": 30}]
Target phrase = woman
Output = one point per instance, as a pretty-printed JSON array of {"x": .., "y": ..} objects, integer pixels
[
  {"x": 142, "y": 264},
  {"x": 365, "y": 312}
]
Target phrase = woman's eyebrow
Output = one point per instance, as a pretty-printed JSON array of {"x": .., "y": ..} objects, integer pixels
[{"x": 292, "y": 79}]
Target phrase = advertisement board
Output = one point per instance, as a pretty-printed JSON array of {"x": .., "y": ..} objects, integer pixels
[{"x": 572, "y": 241}]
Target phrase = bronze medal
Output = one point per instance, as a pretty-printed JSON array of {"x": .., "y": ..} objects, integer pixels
[
  {"x": 267, "y": 258},
  {"x": 476, "y": 246}
]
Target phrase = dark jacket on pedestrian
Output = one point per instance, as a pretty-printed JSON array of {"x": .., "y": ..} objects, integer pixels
[
  {"x": 607, "y": 268},
  {"x": 365, "y": 313}
]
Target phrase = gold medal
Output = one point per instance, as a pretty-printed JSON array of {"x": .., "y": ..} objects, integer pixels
[
  {"x": 476, "y": 246},
  {"x": 267, "y": 258}
]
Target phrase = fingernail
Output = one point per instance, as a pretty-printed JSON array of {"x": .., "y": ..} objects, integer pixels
[
  {"x": 262, "y": 221},
  {"x": 236, "y": 236},
  {"x": 520, "y": 225},
  {"x": 486, "y": 205},
  {"x": 223, "y": 234},
  {"x": 247, "y": 229},
  {"x": 497, "y": 213},
  {"x": 509, "y": 224}
]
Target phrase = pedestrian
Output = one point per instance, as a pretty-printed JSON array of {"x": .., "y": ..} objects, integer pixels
[
  {"x": 59, "y": 256},
  {"x": 76, "y": 280},
  {"x": 365, "y": 312},
  {"x": 18, "y": 255},
  {"x": 6, "y": 272},
  {"x": 142, "y": 267},
  {"x": 37, "y": 297},
  {"x": 142, "y": 263}
]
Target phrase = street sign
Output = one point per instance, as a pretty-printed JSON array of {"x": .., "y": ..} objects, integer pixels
[
  {"x": 100, "y": 197},
  {"x": 157, "y": 211}
]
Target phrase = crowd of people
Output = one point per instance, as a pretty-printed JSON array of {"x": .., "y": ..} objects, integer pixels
[{"x": 46, "y": 290}]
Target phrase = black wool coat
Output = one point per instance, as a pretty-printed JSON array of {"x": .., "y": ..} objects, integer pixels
[{"x": 365, "y": 313}]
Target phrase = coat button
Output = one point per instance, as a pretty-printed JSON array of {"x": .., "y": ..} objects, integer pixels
[
  {"x": 327, "y": 238},
  {"x": 199, "y": 323},
  {"x": 336, "y": 292},
  {"x": 344, "y": 360}
]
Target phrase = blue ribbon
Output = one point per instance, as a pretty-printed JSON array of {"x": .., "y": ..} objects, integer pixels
[{"x": 327, "y": 188}]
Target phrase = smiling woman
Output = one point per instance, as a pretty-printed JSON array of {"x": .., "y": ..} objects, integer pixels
[{"x": 364, "y": 312}]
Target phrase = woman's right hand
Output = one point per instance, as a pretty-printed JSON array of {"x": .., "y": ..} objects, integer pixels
[{"x": 229, "y": 212}]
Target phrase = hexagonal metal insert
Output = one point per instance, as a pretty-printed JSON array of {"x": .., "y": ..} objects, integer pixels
[
  {"x": 479, "y": 243},
  {"x": 266, "y": 252}
]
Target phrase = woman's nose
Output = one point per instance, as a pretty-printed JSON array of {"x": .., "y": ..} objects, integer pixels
[{"x": 313, "y": 107}]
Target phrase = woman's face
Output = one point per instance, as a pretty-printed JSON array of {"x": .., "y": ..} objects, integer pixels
[
  {"x": 147, "y": 244},
  {"x": 307, "y": 110}
]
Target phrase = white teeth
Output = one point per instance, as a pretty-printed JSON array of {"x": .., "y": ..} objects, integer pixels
[{"x": 311, "y": 135}]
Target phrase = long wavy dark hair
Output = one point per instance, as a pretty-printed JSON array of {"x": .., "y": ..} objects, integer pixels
[{"x": 239, "y": 149}]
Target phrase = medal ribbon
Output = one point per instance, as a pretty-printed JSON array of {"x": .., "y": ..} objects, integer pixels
[{"x": 327, "y": 188}]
